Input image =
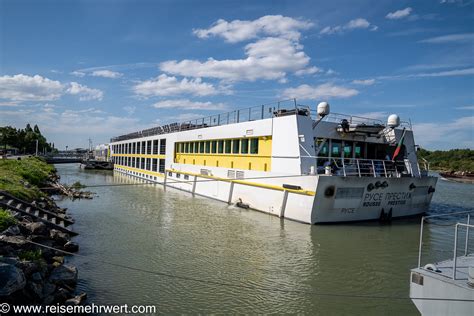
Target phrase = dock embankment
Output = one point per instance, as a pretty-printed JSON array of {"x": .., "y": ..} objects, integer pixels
[{"x": 35, "y": 235}]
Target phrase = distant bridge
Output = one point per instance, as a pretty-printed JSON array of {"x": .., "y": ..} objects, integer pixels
[{"x": 54, "y": 160}]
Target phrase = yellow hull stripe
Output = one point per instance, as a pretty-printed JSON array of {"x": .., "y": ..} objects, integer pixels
[
  {"x": 243, "y": 182},
  {"x": 152, "y": 173}
]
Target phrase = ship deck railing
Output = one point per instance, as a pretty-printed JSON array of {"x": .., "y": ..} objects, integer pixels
[
  {"x": 458, "y": 226},
  {"x": 255, "y": 113},
  {"x": 360, "y": 167},
  {"x": 259, "y": 112},
  {"x": 356, "y": 120}
]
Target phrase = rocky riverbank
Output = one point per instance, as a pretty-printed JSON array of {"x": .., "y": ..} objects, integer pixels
[{"x": 33, "y": 254}]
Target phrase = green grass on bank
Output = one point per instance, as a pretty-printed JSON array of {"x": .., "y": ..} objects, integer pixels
[
  {"x": 21, "y": 178},
  {"x": 6, "y": 220}
]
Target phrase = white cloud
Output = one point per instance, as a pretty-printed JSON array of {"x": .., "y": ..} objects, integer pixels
[
  {"x": 468, "y": 107},
  {"x": 188, "y": 104},
  {"x": 269, "y": 58},
  {"x": 452, "y": 38},
  {"x": 269, "y": 25},
  {"x": 323, "y": 91},
  {"x": 85, "y": 93},
  {"x": 164, "y": 85},
  {"x": 129, "y": 109},
  {"x": 183, "y": 117},
  {"x": 399, "y": 14},
  {"x": 366, "y": 82},
  {"x": 358, "y": 23},
  {"x": 444, "y": 135},
  {"x": 448, "y": 73},
  {"x": 26, "y": 88},
  {"x": 77, "y": 73},
  {"x": 107, "y": 74},
  {"x": 72, "y": 127}
]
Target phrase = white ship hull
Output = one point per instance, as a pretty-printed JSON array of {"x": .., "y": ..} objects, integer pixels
[{"x": 332, "y": 199}]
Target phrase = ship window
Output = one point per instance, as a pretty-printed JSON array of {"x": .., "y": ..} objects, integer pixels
[
  {"x": 336, "y": 149},
  {"x": 221, "y": 146},
  {"x": 358, "y": 151},
  {"x": 201, "y": 147},
  {"x": 148, "y": 147},
  {"x": 148, "y": 162},
  {"x": 170, "y": 173},
  {"x": 194, "y": 146},
  {"x": 186, "y": 147},
  {"x": 254, "y": 146},
  {"x": 162, "y": 146},
  {"x": 130, "y": 148},
  {"x": 178, "y": 175},
  {"x": 186, "y": 177},
  {"x": 235, "y": 146},
  {"x": 154, "y": 165},
  {"x": 324, "y": 151},
  {"x": 133, "y": 147},
  {"x": 142, "y": 163},
  {"x": 143, "y": 147},
  {"x": 228, "y": 146},
  {"x": 245, "y": 146},
  {"x": 347, "y": 149},
  {"x": 208, "y": 147},
  {"x": 161, "y": 167},
  {"x": 155, "y": 147},
  {"x": 214, "y": 146}
]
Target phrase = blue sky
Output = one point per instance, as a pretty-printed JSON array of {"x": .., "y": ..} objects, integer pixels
[{"x": 99, "y": 69}]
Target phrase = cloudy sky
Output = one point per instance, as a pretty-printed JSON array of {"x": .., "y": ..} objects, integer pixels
[{"x": 99, "y": 69}]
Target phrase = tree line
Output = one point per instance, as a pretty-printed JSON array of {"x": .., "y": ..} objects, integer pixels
[
  {"x": 449, "y": 160},
  {"x": 24, "y": 139}
]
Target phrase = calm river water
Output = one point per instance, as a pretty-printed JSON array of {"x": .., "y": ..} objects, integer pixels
[{"x": 246, "y": 262}]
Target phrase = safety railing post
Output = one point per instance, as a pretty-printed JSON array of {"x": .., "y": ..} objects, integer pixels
[
  {"x": 238, "y": 116},
  {"x": 358, "y": 167},
  {"x": 455, "y": 251},
  {"x": 250, "y": 114},
  {"x": 421, "y": 241},
  {"x": 343, "y": 167},
  {"x": 467, "y": 234},
  {"x": 263, "y": 110},
  {"x": 373, "y": 169},
  {"x": 384, "y": 168}
]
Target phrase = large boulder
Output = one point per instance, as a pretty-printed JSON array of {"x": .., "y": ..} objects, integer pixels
[
  {"x": 59, "y": 236},
  {"x": 13, "y": 230},
  {"x": 12, "y": 279},
  {"x": 37, "y": 228},
  {"x": 65, "y": 274},
  {"x": 71, "y": 246}
]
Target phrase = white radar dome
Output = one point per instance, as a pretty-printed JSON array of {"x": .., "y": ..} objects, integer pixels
[
  {"x": 393, "y": 121},
  {"x": 323, "y": 109}
]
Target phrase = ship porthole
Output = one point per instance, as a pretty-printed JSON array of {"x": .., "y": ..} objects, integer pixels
[{"x": 329, "y": 191}]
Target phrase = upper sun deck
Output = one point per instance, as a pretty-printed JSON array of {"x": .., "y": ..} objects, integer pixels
[{"x": 255, "y": 113}]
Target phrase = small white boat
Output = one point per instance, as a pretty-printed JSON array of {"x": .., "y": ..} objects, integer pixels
[{"x": 445, "y": 287}]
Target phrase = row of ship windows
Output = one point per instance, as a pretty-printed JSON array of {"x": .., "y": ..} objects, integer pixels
[
  {"x": 151, "y": 164},
  {"x": 222, "y": 146},
  {"x": 155, "y": 147}
]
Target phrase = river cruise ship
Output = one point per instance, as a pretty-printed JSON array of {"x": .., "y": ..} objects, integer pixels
[{"x": 288, "y": 160}]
